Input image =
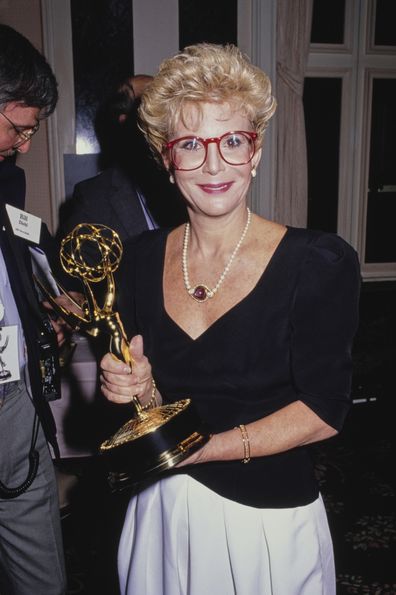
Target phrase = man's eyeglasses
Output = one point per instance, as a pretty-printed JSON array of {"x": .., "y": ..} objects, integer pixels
[
  {"x": 23, "y": 135},
  {"x": 190, "y": 152}
]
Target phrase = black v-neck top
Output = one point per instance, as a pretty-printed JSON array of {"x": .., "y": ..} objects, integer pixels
[{"x": 289, "y": 339}]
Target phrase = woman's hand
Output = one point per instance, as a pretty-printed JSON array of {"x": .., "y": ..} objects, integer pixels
[{"x": 119, "y": 383}]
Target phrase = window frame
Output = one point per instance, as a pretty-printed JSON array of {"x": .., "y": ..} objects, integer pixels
[{"x": 357, "y": 62}]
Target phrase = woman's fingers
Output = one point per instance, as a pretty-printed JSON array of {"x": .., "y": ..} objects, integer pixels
[
  {"x": 136, "y": 347},
  {"x": 117, "y": 394},
  {"x": 141, "y": 366},
  {"x": 112, "y": 365}
]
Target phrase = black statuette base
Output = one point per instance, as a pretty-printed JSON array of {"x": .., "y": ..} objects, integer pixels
[{"x": 156, "y": 451}]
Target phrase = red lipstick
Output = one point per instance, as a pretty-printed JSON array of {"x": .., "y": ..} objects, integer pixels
[{"x": 216, "y": 188}]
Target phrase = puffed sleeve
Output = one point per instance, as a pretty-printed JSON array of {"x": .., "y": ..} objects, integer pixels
[{"x": 324, "y": 322}]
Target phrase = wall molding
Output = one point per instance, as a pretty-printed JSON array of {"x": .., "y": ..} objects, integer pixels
[
  {"x": 257, "y": 20},
  {"x": 57, "y": 42}
]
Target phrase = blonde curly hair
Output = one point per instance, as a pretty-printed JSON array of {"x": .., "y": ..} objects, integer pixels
[{"x": 198, "y": 74}]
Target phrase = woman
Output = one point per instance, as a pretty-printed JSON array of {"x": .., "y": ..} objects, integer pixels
[{"x": 251, "y": 319}]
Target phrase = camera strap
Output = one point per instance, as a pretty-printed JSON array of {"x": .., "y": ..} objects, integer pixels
[{"x": 8, "y": 493}]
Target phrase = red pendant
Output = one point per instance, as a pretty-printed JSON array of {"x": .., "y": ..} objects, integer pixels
[{"x": 201, "y": 293}]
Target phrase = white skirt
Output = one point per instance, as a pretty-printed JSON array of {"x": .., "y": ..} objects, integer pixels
[{"x": 180, "y": 538}]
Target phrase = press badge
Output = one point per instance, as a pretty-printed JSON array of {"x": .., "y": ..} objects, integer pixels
[
  {"x": 25, "y": 225},
  {"x": 9, "y": 359}
]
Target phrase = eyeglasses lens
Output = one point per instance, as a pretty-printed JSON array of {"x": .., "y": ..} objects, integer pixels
[{"x": 25, "y": 135}]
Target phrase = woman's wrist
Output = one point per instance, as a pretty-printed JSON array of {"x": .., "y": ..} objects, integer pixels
[
  {"x": 245, "y": 442},
  {"x": 152, "y": 397},
  {"x": 230, "y": 445},
  {"x": 152, "y": 401}
]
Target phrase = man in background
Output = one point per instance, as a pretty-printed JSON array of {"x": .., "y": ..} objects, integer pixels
[
  {"x": 131, "y": 194},
  {"x": 31, "y": 552}
]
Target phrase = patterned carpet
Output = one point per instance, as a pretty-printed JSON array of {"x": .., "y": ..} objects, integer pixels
[
  {"x": 357, "y": 477},
  {"x": 356, "y": 471}
]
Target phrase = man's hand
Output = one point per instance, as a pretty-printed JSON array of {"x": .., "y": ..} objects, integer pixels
[{"x": 61, "y": 328}]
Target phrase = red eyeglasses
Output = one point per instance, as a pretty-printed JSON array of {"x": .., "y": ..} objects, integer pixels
[{"x": 190, "y": 152}]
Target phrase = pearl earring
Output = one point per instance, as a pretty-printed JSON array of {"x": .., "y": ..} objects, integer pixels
[
  {"x": 253, "y": 172},
  {"x": 171, "y": 179}
]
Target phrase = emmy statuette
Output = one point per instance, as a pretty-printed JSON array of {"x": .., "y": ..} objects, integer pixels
[{"x": 153, "y": 440}]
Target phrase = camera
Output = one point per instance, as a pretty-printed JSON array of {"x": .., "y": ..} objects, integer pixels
[{"x": 49, "y": 362}]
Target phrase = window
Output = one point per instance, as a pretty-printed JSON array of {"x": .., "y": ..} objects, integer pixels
[
  {"x": 322, "y": 107},
  {"x": 349, "y": 100}
]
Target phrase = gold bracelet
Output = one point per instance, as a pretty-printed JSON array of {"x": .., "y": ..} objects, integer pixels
[
  {"x": 153, "y": 400},
  {"x": 246, "y": 443}
]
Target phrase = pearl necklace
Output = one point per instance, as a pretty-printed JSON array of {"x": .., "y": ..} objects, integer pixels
[{"x": 201, "y": 292}]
